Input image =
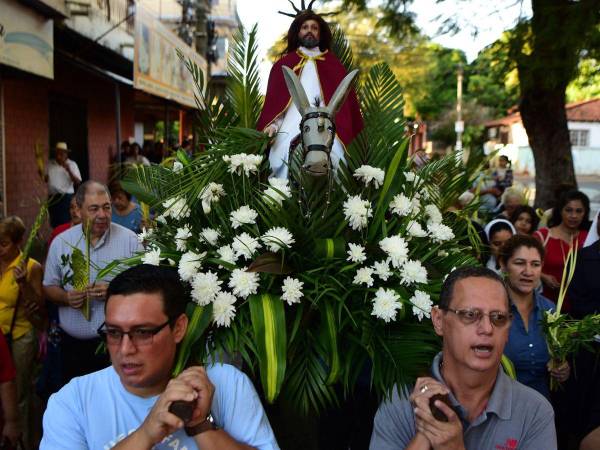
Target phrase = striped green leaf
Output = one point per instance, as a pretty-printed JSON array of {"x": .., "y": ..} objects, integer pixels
[
  {"x": 331, "y": 331},
  {"x": 199, "y": 319},
  {"x": 268, "y": 321}
]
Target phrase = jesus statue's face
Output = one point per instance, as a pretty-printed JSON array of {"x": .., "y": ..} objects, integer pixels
[{"x": 309, "y": 34}]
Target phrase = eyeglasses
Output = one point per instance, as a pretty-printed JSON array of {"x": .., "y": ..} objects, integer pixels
[
  {"x": 138, "y": 336},
  {"x": 471, "y": 316}
]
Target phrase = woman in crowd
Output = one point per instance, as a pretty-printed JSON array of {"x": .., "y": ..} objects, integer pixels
[
  {"x": 566, "y": 228},
  {"x": 497, "y": 232},
  {"x": 510, "y": 200},
  {"x": 521, "y": 261},
  {"x": 20, "y": 305},
  {"x": 135, "y": 155},
  {"x": 125, "y": 212},
  {"x": 525, "y": 220}
]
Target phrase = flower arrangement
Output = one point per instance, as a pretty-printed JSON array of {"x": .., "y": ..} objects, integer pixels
[{"x": 310, "y": 286}]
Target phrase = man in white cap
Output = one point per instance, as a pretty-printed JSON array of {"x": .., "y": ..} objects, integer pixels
[{"x": 63, "y": 178}]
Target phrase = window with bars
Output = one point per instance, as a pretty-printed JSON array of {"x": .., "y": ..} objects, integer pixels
[{"x": 579, "y": 138}]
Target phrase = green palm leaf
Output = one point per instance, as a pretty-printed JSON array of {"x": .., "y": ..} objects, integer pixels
[
  {"x": 268, "y": 322},
  {"x": 342, "y": 49},
  {"x": 243, "y": 84}
]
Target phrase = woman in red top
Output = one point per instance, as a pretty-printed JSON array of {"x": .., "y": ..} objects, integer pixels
[{"x": 567, "y": 227}]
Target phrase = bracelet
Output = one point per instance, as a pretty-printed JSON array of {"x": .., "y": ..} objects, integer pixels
[{"x": 207, "y": 424}]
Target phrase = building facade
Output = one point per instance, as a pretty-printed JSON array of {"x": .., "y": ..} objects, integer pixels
[
  {"x": 89, "y": 73},
  {"x": 508, "y": 135}
]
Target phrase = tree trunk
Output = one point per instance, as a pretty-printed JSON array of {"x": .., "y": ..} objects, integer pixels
[
  {"x": 547, "y": 51},
  {"x": 545, "y": 121}
]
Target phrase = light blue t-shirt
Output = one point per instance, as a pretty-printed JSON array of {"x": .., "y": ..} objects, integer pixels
[{"x": 95, "y": 412}]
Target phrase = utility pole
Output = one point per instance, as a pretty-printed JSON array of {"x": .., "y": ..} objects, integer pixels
[{"x": 459, "y": 125}]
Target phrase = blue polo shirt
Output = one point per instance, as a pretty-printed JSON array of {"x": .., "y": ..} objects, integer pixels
[{"x": 527, "y": 349}]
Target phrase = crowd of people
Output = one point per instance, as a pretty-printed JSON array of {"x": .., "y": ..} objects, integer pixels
[
  {"x": 110, "y": 343},
  {"x": 522, "y": 272}
]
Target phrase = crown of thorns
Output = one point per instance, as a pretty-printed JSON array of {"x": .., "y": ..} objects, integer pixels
[{"x": 303, "y": 9}]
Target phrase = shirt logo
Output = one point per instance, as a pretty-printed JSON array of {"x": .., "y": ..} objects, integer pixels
[{"x": 511, "y": 444}]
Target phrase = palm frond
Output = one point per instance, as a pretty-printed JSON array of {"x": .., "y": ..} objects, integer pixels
[
  {"x": 342, "y": 49},
  {"x": 243, "y": 84},
  {"x": 211, "y": 112}
]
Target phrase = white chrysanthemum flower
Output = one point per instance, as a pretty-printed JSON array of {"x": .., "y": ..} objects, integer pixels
[
  {"x": 356, "y": 253},
  {"x": 416, "y": 203},
  {"x": 413, "y": 272},
  {"x": 364, "y": 275},
  {"x": 421, "y": 305},
  {"x": 434, "y": 214},
  {"x": 189, "y": 264},
  {"x": 386, "y": 304},
  {"x": 401, "y": 205},
  {"x": 161, "y": 219},
  {"x": 223, "y": 309},
  {"x": 243, "y": 215},
  {"x": 242, "y": 162},
  {"x": 368, "y": 174},
  {"x": 409, "y": 176},
  {"x": 245, "y": 245},
  {"x": 176, "y": 208},
  {"x": 181, "y": 237},
  {"x": 152, "y": 256},
  {"x": 211, "y": 193},
  {"x": 278, "y": 238},
  {"x": 278, "y": 190},
  {"x": 227, "y": 254},
  {"x": 415, "y": 229},
  {"x": 144, "y": 235},
  {"x": 357, "y": 211},
  {"x": 382, "y": 269},
  {"x": 205, "y": 287},
  {"x": 395, "y": 247},
  {"x": 292, "y": 290},
  {"x": 440, "y": 232},
  {"x": 177, "y": 166},
  {"x": 210, "y": 235},
  {"x": 244, "y": 283}
]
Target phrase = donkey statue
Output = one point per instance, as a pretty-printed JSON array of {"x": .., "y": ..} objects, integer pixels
[{"x": 312, "y": 153}]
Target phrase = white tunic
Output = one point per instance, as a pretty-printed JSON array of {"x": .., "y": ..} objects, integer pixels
[{"x": 288, "y": 124}]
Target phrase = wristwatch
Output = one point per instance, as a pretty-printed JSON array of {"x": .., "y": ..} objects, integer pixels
[{"x": 207, "y": 424}]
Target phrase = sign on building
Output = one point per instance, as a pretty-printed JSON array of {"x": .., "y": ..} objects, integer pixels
[
  {"x": 26, "y": 39},
  {"x": 157, "y": 68}
]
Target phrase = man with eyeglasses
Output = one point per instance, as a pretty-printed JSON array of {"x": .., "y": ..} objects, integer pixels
[
  {"x": 486, "y": 409},
  {"x": 127, "y": 405},
  {"x": 79, "y": 339}
]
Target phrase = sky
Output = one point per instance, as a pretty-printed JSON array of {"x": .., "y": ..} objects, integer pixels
[{"x": 490, "y": 23}]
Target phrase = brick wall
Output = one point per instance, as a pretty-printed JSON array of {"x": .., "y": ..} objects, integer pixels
[{"x": 26, "y": 112}]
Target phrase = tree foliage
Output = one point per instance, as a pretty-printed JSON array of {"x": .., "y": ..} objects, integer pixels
[{"x": 547, "y": 50}]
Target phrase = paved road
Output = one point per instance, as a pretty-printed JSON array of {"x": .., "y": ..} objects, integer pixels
[{"x": 590, "y": 185}]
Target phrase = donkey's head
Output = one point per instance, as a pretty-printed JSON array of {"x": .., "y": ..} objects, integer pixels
[{"x": 317, "y": 127}]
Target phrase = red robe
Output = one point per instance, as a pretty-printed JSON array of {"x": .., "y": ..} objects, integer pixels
[{"x": 331, "y": 72}]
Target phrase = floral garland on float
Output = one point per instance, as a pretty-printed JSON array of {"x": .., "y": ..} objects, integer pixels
[{"x": 307, "y": 291}]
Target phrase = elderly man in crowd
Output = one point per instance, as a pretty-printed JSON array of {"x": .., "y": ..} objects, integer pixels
[
  {"x": 108, "y": 242},
  {"x": 486, "y": 409},
  {"x": 63, "y": 177},
  {"x": 127, "y": 406}
]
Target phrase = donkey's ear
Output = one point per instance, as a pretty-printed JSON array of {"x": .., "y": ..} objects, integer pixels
[
  {"x": 340, "y": 94},
  {"x": 296, "y": 90}
]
